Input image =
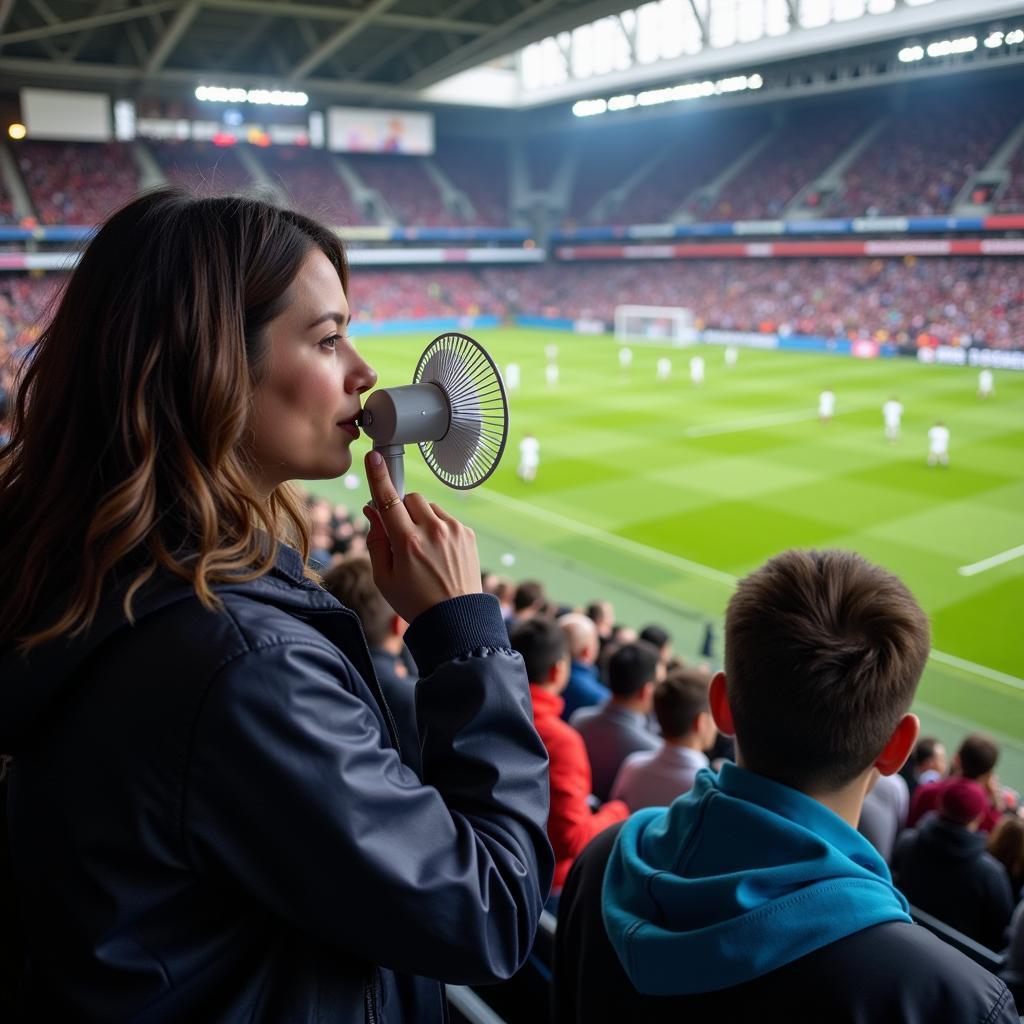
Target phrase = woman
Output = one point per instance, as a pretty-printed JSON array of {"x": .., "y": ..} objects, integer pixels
[{"x": 209, "y": 819}]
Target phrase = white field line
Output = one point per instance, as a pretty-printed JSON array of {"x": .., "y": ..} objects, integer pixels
[
  {"x": 736, "y": 426},
  {"x": 697, "y": 569},
  {"x": 966, "y": 725},
  {"x": 988, "y": 563}
]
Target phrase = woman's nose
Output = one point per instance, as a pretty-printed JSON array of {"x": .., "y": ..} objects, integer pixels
[{"x": 361, "y": 377}]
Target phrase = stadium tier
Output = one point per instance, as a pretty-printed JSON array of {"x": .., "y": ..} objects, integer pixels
[
  {"x": 959, "y": 301},
  {"x": 898, "y": 154}
]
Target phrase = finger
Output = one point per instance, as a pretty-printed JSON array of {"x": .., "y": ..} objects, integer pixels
[
  {"x": 378, "y": 546},
  {"x": 419, "y": 509},
  {"x": 385, "y": 498},
  {"x": 445, "y": 517}
]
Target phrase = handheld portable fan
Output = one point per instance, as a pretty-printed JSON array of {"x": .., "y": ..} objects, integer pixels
[{"x": 455, "y": 410}]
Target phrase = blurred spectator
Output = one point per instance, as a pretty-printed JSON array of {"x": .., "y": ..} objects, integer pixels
[
  {"x": 602, "y": 613},
  {"x": 406, "y": 187},
  {"x": 974, "y": 762},
  {"x": 619, "y": 727},
  {"x": 943, "y": 867},
  {"x": 658, "y": 637},
  {"x": 571, "y": 823},
  {"x": 1006, "y": 844},
  {"x": 927, "y": 764},
  {"x": 655, "y": 779},
  {"x": 584, "y": 689},
  {"x": 351, "y": 582},
  {"x": 884, "y": 813},
  {"x": 530, "y": 597}
]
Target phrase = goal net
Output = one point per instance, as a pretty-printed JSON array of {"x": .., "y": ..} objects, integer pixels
[{"x": 664, "y": 325}]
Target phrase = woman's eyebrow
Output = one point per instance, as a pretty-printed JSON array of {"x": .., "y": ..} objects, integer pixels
[{"x": 341, "y": 319}]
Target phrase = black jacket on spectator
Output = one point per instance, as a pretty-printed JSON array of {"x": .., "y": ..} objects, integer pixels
[
  {"x": 209, "y": 821},
  {"x": 944, "y": 869},
  {"x": 893, "y": 973}
]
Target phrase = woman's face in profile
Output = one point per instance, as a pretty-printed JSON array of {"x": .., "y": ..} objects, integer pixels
[{"x": 306, "y": 404}]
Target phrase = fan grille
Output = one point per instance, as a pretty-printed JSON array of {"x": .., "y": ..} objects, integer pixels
[{"x": 471, "y": 450}]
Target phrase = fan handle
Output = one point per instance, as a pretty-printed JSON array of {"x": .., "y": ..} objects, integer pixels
[{"x": 395, "y": 417}]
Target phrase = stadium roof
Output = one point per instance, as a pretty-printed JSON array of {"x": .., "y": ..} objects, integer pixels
[{"x": 383, "y": 51}]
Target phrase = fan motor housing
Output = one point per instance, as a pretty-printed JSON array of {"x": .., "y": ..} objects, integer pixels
[{"x": 407, "y": 414}]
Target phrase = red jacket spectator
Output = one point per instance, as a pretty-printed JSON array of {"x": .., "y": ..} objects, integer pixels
[
  {"x": 926, "y": 799},
  {"x": 571, "y": 823}
]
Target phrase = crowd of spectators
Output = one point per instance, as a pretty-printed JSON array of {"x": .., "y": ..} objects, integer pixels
[
  {"x": 76, "y": 182},
  {"x": 479, "y": 169},
  {"x": 406, "y": 187},
  {"x": 693, "y": 160},
  {"x": 202, "y": 167},
  {"x": 1011, "y": 200},
  {"x": 925, "y": 154},
  {"x": 311, "y": 184},
  {"x": 627, "y": 724},
  {"x": 794, "y": 157},
  {"x": 960, "y": 300}
]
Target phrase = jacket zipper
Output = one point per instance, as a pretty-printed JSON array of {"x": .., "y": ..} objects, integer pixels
[{"x": 370, "y": 998}]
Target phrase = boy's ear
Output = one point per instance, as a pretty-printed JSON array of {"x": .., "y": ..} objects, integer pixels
[
  {"x": 900, "y": 744},
  {"x": 721, "y": 712}
]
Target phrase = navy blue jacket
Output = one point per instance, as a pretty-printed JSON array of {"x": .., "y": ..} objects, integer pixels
[
  {"x": 892, "y": 973},
  {"x": 209, "y": 819}
]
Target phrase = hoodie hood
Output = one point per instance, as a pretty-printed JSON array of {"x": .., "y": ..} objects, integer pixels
[
  {"x": 31, "y": 685},
  {"x": 737, "y": 878}
]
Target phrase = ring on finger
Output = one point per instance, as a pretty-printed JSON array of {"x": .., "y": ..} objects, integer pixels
[{"x": 390, "y": 504}]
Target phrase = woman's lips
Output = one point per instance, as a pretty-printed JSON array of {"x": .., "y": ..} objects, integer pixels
[{"x": 350, "y": 428}]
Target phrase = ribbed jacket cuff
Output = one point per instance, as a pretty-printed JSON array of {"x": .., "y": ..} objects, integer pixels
[{"x": 456, "y": 627}]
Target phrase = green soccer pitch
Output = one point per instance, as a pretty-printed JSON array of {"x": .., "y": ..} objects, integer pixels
[{"x": 658, "y": 495}]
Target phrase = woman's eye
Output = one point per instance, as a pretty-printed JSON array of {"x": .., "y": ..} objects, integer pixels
[{"x": 331, "y": 343}]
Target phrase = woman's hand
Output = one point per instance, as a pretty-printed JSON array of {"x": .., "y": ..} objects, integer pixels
[{"x": 420, "y": 554}]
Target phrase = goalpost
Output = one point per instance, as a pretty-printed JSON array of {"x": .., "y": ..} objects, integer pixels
[{"x": 663, "y": 325}]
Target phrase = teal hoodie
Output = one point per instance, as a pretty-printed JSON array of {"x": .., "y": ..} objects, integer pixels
[{"x": 737, "y": 878}]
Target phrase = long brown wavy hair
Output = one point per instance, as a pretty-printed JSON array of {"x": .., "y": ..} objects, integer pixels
[{"x": 130, "y": 425}]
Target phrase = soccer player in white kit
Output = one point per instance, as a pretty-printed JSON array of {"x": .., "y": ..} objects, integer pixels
[
  {"x": 892, "y": 413},
  {"x": 529, "y": 458},
  {"x": 664, "y": 370},
  {"x": 512, "y": 376},
  {"x": 732, "y": 354},
  {"x": 697, "y": 370},
  {"x": 625, "y": 357},
  {"x": 938, "y": 445},
  {"x": 551, "y": 374},
  {"x": 986, "y": 386},
  {"x": 826, "y": 405}
]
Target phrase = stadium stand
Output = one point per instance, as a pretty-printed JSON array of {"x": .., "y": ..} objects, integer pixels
[
  {"x": 479, "y": 168},
  {"x": 695, "y": 158},
  {"x": 205, "y": 168},
  {"x": 792, "y": 158},
  {"x": 1012, "y": 198},
  {"x": 310, "y": 183},
  {"x": 925, "y": 154},
  {"x": 406, "y": 187},
  {"x": 962, "y": 300},
  {"x": 76, "y": 182}
]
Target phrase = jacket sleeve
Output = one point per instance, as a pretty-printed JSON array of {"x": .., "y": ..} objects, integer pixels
[
  {"x": 572, "y": 824},
  {"x": 291, "y": 791}
]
